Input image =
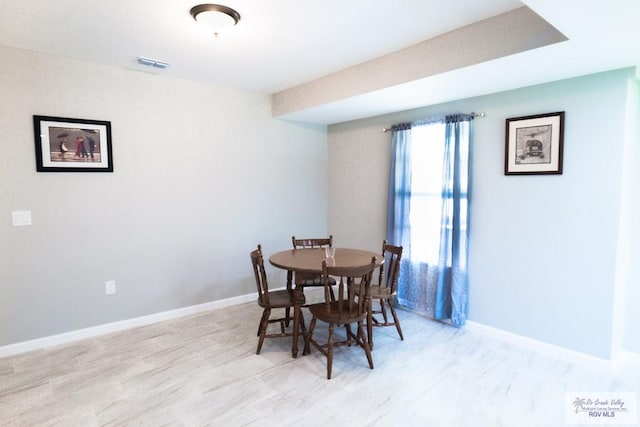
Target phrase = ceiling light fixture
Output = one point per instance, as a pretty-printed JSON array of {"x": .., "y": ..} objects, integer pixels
[{"x": 216, "y": 18}]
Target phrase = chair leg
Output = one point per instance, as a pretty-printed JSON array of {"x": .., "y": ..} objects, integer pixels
[
  {"x": 308, "y": 336},
  {"x": 303, "y": 329},
  {"x": 289, "y": 288},
  {"x": 350, "y": 335},
  {"x": 287, "y": 316},
  {"x": 263, "y": 328},
  {"x": 330, "y": 351},
  {"x": 365, "y": 344},
  {"x": 370, "y": 323},
  {"x": 260, "y": 324},
  {"x": 395, "y": 320},
  {"x": 383, "y": 309}
]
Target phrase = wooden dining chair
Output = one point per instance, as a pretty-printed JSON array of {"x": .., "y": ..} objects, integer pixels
[
  {"x": 385, "y": 291},
  {"x": 346, "y": 310},
  {"x": 304, "y": 280},
  {"x": 269, "y": 300}
]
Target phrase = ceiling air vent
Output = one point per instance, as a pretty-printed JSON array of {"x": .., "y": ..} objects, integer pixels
[{"x": 152, "y": 62}]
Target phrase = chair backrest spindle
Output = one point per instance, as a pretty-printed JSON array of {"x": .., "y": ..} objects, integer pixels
[{"x": 315, "y": 243}]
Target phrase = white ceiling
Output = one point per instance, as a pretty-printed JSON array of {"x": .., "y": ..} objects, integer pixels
[{"x": 279, "y": 44}]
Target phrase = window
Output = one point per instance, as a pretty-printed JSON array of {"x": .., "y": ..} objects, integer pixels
[{"x": 432, "y": 200}]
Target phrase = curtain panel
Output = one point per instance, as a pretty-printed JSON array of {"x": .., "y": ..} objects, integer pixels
[{"x": 437, "y": 287}]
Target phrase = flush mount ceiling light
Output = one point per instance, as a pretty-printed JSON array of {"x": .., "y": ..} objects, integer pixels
[{"x": 216, "y": 18}]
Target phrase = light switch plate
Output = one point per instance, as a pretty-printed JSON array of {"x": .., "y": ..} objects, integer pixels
[
  {"x": 20, "y": 218},
  {"x": 110, "y": 287}
]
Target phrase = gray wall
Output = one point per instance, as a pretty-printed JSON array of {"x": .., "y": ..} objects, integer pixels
[
  {"x": 544, "y": 251},
  {"x": 202, "y": 175}
]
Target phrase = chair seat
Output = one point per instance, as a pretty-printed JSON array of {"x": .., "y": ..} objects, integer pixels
[
  {"x": 331, "y": 313},
  {"x": 280, "y": 299}
]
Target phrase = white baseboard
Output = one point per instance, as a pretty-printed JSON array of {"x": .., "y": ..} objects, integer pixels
[
  {"x": 539, "y": 346},
  {"x": 623, "y": 360},
  {"x": 626, "y": 357},
  {"x": 67, "y": 337}
]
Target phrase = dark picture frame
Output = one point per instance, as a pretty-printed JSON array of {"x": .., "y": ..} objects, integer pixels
[
  {"x": 72, "y": 145},
  {"x": 534, "y": 144}
]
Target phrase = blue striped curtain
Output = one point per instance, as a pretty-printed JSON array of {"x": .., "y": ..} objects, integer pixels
[{"x": 438, "y": 288}]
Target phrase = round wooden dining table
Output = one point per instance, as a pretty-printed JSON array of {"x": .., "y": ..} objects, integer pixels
[{"x": 310, "y": 261}]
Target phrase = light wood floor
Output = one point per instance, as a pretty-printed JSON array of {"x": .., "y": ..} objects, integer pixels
[{"x": 203, "y": 370}]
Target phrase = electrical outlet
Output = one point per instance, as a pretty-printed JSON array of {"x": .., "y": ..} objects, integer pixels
[
  {"x": 110, "y": 287},
  {"x": 20, "y": 218}
]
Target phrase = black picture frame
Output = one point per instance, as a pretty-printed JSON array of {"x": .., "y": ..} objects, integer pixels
[
  {"x": 66, "y": 144},
  {"x": 534, "y": 144}
]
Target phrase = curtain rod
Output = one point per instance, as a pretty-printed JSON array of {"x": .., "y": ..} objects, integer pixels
[{"x": 435, "y": 119}]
